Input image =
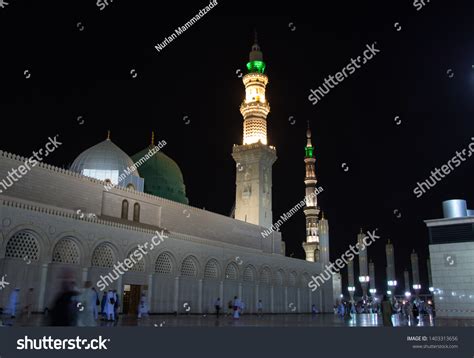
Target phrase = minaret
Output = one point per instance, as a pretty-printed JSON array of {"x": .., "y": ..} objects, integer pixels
[
  {"x": 350, "y": 279},
  {"x": 363, "y": 265},
  {"x": 311, "y": 210},
  {"x": 406, "y": 278},
  {"x": 372, "y": 278},
  {"x": 415, "y": 271},
  {"x": 254, "y": 158},
  {"x": 391, "y": 277}
]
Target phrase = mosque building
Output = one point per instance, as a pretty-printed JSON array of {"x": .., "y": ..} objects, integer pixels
[{"x": 96, "y": 214}]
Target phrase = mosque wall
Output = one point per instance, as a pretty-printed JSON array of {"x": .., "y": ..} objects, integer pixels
[{"x": 38, "y": 243}]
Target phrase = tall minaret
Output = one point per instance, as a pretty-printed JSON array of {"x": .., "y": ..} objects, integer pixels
[
  {"x": 364, "y": 277},
  {"x": 254, "y": 158},
  {"x": 311, "y": 210},
  {"x": 415, "y": 270},
  {"x": 391, "y": 276}
]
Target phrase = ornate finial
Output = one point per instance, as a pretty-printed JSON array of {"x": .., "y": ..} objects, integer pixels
[
  {"x": 152, "y": 138},
  {"x": 388, "y": 241},
  {"x": 255, "y": 34},
  {"x": 413, "y": 252},
  {"x": 361, "y": 230},
  {"x": 322, "y": 214},
  {"x": 108, "y": 134}
]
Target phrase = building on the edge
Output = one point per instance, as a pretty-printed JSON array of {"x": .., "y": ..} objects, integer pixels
[
  {"x": 452, "y": 260},
  {"x": 46, "y": 226}
]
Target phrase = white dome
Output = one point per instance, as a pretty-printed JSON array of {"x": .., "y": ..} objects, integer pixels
[{"x": 106, "y": 161}]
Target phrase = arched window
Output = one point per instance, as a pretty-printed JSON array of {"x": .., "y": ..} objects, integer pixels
[
  {"x": 130, "y": 186},
  {"x": 23, "y": 245},
  {"x": 66, "y": 252},
  {"x": 211, "y": 270},
  {"x": 164, "y": 263},
  {"x": 136, "y": 212},
  {"x": 124, "y": 210}
]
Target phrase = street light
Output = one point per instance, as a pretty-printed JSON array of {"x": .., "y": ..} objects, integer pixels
[
  {"x": 363, "y": 279},
  {"x": 407, "y": 294},
  {"x": 431, "y": 289},
  {"x": 417, "y": 287},
  {"x": 389, "y": 292},
  {"x": 392, "y": 283},
  {"x": 373, "y": 291},
  {"x": 351, "y": 288}
]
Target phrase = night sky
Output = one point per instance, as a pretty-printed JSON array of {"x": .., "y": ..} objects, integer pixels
[{"x": 88, "y": 73}]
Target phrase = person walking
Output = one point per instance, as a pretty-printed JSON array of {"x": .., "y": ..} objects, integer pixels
[
  {"x": 387, "y": 311},
  {"x": 109, "y": 306},
  {"x": 116, "y": 305},
  {"x": 217, "y": 306},
  {"x": 65, "y": 310},
  {"x": 416, "y": 314},
  {"x": 29, "y": 303},
  {"x": 259, "y": 308},
  {"x": 229, "y": 307},
  {"x": 86, "y": 302},
  {"x": 13, "y": 302},
  {"x": 237, "y": 307},
  {"x": 143, "y": 307},
  {"x": 103, "y": 304}
]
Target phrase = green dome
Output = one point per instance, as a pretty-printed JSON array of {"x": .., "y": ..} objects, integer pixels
[{"x": 162, "y": 176}]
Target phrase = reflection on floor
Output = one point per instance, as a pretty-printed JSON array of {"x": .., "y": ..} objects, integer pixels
[{"x": 285, "y": 320}]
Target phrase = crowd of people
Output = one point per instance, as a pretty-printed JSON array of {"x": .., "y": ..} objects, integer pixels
[{"x": 406, "y": 310}]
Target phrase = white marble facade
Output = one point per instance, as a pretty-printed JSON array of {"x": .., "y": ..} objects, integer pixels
[{"x": 205, "y": 255}]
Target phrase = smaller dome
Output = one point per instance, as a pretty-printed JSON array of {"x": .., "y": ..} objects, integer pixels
[
  {"x": 106, "y": 161},
  {"x": 162, "y": 176}
]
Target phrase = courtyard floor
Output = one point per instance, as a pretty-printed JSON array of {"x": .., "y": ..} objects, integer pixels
[{"x": 268, "y": 320}]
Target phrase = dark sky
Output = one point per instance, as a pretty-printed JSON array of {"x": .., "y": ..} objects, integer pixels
[{"x": 87, "y": 73}]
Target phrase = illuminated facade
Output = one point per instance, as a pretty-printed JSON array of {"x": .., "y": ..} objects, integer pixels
[{"x": 254, "y": 158}]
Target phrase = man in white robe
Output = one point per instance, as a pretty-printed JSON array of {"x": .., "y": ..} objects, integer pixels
[
  {"x": 143, "y": 307},
  {"x": 109, "y": 306},
  {"x": 237, "y": 307}
]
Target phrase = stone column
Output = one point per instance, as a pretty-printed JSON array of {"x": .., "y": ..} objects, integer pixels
[
  {"x": 85, "y": 272},
  {"x": 286, "y": 300},
  {"x": 298, "y": 300},
  {"x": 150, "y": 290},
  {"x": 199, "y": 308},
  {"x": 310, "y": 296},
  {"x": 256, "y": 296},
  {"x": 42, "y": 287},
  {"x": 176, "y": 294},
  {"x": 271, "y": 299},
  {"x": 119, "y": 289},
  {"x": 221, "y": 295}
]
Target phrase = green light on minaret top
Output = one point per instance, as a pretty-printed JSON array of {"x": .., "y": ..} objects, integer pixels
[
  {"x": 256, "y": 66},
  {"x": 309, "y": 152}
]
